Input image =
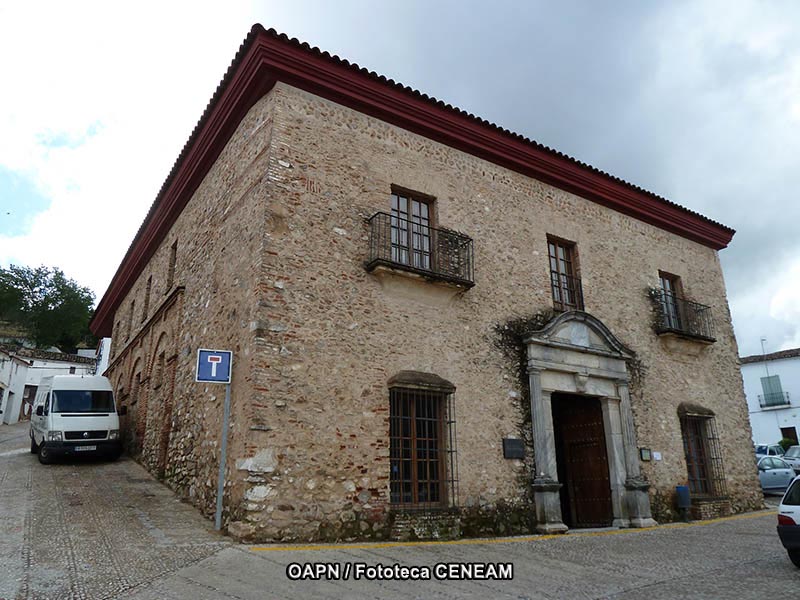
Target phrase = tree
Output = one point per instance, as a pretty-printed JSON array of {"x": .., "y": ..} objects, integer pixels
[{"x": 54, "y": 309}]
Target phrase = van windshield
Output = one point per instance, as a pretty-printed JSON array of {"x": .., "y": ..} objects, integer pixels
[{"x": 82, "y": 401}]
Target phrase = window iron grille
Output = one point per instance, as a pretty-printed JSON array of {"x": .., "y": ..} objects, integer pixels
[
  {"x": 774, "y": 399},
  {"x": 703, "y": 456},
  {"x": 678, "y": 315},
  {"x": 567, "y": 292},
  {"x": 423, "y": 452}
]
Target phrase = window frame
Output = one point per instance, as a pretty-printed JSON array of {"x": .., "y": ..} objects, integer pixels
[
  {"x": 408, "y": 387},
  {"x": 425, "y": 231},
  {"x": 411, "y": 397},
  {"x": 670, "y": 294},
  {"x": 571, "y": 271},
  {"x": 711, "y": 482}
]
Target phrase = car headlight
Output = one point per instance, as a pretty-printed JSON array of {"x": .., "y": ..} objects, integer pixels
[
  {"x": 113, "y": 434},
  {"x": 54, "y": 436}
]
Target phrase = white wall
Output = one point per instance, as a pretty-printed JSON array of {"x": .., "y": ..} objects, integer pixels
[
  {"x": 13, "y": 373},
  {"x": 103, "y": 354},
  {"x": 767, "y": 423},
  {"x": 44, "y": 368}
]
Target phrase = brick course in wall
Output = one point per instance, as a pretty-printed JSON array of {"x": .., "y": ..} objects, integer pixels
[{"x": 270, "y": 264}]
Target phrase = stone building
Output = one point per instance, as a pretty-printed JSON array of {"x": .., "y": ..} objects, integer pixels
[{"x": 439, "y": 327}]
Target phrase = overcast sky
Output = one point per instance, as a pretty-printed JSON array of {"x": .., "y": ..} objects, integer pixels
[{"x": 696, "y": 101}]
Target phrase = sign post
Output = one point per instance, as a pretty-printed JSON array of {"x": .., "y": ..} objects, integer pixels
[{"x": 214, "y": 366}]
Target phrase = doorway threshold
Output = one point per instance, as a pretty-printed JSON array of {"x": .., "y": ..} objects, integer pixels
[{"x": 594, "y": 529}]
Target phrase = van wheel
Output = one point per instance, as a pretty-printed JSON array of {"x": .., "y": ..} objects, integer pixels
[
  {"x": 34, "y": 446},
  {"x": 44, "y": 455},
  {"x": 794, "y": 556}
]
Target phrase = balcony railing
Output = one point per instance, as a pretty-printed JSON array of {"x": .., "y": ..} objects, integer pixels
[
  {"x": 774, "y": 399},
  {"x": 567, "y": 291},
  {"x": 683, "y": 317},
  {"x": 411, "y": 246}
]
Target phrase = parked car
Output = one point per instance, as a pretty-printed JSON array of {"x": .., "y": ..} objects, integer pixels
[
  {"x": 789, "y": 522},
  {"x": 768, "y": 450},
  {"x": 775, "y": 474},
  {"x": 792, "y": 457}
]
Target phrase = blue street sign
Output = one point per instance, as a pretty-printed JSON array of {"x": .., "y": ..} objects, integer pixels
[{"x": 214, "y": 366}]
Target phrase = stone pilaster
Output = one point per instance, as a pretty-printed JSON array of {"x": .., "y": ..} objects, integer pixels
[
  {"x": 636, "y": 486},
  {"x": 545, "y": 482}
]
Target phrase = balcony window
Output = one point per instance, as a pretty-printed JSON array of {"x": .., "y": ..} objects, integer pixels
[
  {"x": 406, "y": 240},
  {"x": 670, "y": 286},
  {"x": 773, "y": 392},
  {"x": 676, "y": 315}
]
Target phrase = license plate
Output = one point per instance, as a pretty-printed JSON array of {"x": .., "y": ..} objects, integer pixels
[{"x": 85, "y": 448}]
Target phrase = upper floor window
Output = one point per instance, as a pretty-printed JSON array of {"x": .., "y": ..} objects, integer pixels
[
  {"x": 773, "y": 392},
  {"x": 173, "y": 259},
  {"x": 670, "y": 292},
  {"x": 411, "y": 231},
  {"x": 677, "y": 315},
  {"x": 146, "y": 307},
  {"x": 405, "y": 239},
  {"x": 130, "y": 319},
  {"x": 564, "y": 278}
]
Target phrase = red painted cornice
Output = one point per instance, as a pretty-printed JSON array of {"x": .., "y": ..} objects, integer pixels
[{"x": 266, "y": 57}]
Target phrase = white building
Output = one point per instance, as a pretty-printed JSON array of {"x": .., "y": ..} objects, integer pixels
[
  {"x": 102, "y": 355},
  {"x": 772, "y": 387},
  {"x": 37, "y": 364},
  {"x": 13, "y": 372}
]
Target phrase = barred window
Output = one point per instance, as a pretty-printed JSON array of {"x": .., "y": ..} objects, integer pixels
[
  {"x": 703, "y": 455},
  {"x": 422, "y": 441}
]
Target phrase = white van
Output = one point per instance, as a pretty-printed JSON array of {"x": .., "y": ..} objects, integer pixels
[{"x": 73, "y": 415}]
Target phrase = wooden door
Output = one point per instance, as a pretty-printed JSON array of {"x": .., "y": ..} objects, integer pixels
[{"x": 582, "y": 461}]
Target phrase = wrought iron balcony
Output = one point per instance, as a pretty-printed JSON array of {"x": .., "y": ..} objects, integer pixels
[
  {"x": 436, "y": 253},
  {"x": 682, "y": 317},
  {"x": 774, "y": 399},
  {"x": 567, "y": 292}
]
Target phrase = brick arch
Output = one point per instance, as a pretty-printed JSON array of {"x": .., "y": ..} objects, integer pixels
[
  {"x": 138, "y": 396},
  {"x": 161, "y": 384},
  {"x": 119, "y": 381},
  {"x": 161, "y": 345}
]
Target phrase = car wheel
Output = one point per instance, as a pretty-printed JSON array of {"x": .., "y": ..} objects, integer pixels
[
  {"x": 794, "y": 556},
  {"x": 44, "y": 455},
  {"x": 34, "y": 446}
]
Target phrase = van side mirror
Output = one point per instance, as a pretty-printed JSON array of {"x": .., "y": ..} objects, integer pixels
[
  {"x": 122, "y": 411},
  {"x": 39, "y": 410}
]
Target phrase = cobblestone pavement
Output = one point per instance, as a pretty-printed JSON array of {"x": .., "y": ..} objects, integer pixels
[
  {"x": 89, "y": 529},
  {"x": 108, "y": 530}
]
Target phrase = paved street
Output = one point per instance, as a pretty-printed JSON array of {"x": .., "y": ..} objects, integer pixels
[{"x": 108, "y": 530}]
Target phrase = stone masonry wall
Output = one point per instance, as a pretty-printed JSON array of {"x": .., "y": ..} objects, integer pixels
[
  {"x": 333, "y": 334},
  {"x": 173, "y": 426}
]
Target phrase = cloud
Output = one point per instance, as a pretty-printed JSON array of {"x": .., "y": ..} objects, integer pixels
[
  {"x": 697, "y": 101},
  {"x": 102, "y": 100}
]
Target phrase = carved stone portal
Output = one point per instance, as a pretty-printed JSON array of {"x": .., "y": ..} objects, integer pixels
[{"x": 576, "y": 354}]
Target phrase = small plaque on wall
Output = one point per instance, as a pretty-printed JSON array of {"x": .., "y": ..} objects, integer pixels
[{"x": 513, "y": 448}]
